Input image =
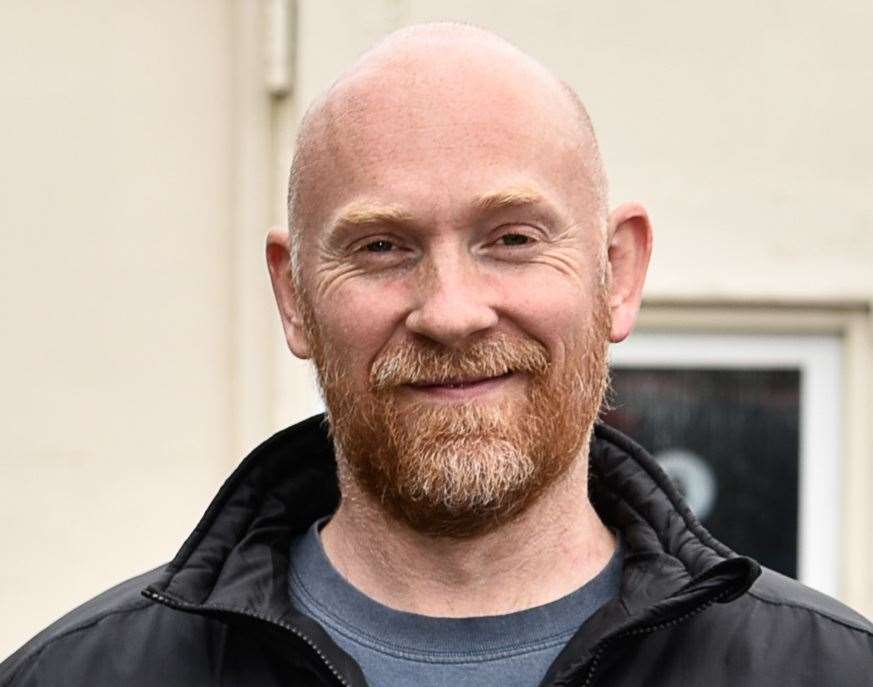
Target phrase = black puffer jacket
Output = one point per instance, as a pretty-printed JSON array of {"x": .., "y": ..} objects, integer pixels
[{"x": 690, "y": 611}]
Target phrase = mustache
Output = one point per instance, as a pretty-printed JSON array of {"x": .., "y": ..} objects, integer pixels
[{"x": 429, "y": 363}]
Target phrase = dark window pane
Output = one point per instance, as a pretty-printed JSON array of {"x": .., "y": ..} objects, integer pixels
[{"x": 730, "y": 438}]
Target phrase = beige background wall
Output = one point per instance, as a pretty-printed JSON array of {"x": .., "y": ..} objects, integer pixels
[
  {"x": 116, "y": 294},
  {"x": 143, "y": 158}
]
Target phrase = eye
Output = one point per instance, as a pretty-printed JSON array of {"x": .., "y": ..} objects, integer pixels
[
  {"x": 514, "y": 240},
  {"x": 379, "y": 246}
]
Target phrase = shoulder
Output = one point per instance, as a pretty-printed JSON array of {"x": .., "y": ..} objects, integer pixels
[
  {"x": 782, "y": 625},
  {"x": 782, "y": 595},
  {"x": 777, "y": 632},
  {"x": 115, "y": 633}
]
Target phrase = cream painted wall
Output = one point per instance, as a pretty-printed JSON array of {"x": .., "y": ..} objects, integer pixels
[
  {"x": 143, "y": 160},
  {"x": 115, "y": 292}
]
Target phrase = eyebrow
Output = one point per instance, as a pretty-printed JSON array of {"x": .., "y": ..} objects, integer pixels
[
  {"x": 517, "y": 196},
  {"x": 367, "y": 214}
]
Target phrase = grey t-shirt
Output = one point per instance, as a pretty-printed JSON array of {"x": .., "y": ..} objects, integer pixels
[{"x": 396, "y": 648}]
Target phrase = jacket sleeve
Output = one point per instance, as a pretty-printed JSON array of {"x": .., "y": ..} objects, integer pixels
[
  {"x": 21, "y": 672},
  {"x": 130, "y": 646},
  {"x": 67, "y": 649},
  {"x": 33, "y": 665}
]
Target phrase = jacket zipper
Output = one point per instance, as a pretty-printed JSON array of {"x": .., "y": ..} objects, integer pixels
[
  {"x": 648, "y": 629},
  {"x": 184, "y": 606}
]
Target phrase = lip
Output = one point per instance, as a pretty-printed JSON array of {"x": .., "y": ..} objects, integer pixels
[{"x": 462, "y": 390}]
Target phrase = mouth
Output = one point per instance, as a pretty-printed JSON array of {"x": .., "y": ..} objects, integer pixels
[{"x": 467, "y": 387}]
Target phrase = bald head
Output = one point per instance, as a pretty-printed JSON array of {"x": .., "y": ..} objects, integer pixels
[{"x": 460, "y": 85}]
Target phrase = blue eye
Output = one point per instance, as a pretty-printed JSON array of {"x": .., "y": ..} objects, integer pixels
[
  {"x": 514, "y": 239},
  {"x": 380, "y": 246}
]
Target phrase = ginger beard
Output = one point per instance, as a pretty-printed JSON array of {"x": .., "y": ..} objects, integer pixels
[{"x": 459, "y": 469}]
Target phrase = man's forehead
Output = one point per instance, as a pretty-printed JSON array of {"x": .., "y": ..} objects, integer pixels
[{"x": 385, "y": 135}]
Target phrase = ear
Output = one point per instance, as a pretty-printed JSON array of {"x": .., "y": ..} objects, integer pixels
[
  {"x": 279, "y": 264},
  {"x": 630, "y": 246}
]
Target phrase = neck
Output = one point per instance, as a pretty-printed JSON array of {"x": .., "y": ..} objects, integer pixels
[{"x": 554, "y": 547}]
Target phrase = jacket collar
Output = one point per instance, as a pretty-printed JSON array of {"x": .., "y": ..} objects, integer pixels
[
  {"x": 668, "y": 549},
  {"x": 237, "y": 556}
]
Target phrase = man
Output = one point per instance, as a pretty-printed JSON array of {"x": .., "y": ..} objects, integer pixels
[{"x": 455, "y": 275}]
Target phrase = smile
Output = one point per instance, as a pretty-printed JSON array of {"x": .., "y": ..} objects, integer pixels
[{"x": 461, "y": 388}]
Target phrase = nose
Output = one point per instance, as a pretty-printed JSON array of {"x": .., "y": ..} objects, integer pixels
[{"x": 453, "y": 303}]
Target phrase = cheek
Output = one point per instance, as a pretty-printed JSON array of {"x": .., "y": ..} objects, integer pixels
[
  {"x": 558, "y": 312},
  {"x": 359, "y": 322}
]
